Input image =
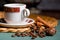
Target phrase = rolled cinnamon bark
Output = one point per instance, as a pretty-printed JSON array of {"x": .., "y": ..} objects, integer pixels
[
  {"x": 44, "y": 22},
  {"x": 39, "y": 24}
]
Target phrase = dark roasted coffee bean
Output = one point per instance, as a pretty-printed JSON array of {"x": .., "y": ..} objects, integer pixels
[
  {"x": 38, "y": 28},
  {"x": 41, "y": 35},
  {"x": 29, "y": 34},
  {"x": 40, "y": 32},
  {"x": 17, "y": 34},
  {"x": 36, "y": 31},
  {"x": 26, "y": 34},
  {"x": 32, "y": 30},
  {"x": 32, "y": 34},
  {"x": 23, "y": 35},
  {"x": 35, "y": 28},
  {"x": 13, "y": 35},
  {"x": 33, "y": 38},
  {"x": 35, "y": 24}
]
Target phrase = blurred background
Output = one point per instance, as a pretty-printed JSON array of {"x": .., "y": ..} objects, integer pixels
[{"x": 42, "y": 7}]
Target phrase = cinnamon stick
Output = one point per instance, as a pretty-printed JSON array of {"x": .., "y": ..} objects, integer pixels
[{"x": 44, "y": 22}]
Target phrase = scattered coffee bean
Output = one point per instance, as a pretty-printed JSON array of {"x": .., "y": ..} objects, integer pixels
[
  {"x": 41, "y": 35},
  {"x": 32, "y": 34},
  {"x": 13, "y": 35},
  {"x": 33, "y": 38},
  {"x": 29, "y": 34},
  {"x": 31, "y": 28},
  {"x": 34, "y": 26},
  {"x": 17, "y": 34},
  {"x": 26, "y": 34},
  {"x": 22, "y": 34},
  {"x": 36, "y": 31}
]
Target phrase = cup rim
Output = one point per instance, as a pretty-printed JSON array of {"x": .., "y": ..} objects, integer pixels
[{"x": 14, "y": 5}]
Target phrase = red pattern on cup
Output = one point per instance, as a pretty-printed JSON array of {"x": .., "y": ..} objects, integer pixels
[{"x": 12, "y": 10}]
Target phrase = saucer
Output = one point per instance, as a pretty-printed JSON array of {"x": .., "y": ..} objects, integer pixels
[{"x": 24, "y": 23}]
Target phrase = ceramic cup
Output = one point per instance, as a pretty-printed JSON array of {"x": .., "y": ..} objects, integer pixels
[{"x": 15, "y": 13}]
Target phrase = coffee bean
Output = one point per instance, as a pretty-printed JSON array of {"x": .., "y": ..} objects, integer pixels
[
  {"x": 41, "y": 35},
  {"x": 33, "y": 38},
  {"x": 26, "y": 34},
  {"x": 17, "y": 34},
  {"x": 34, "y": 26},
  {"x": 23, "y": 35},
  {"x": 29, "y": 34},
  {"x": 32, "y": 34},
  {"x": 13, "y": 35},
  {"x": 32, "y": 30},
  {"x": 36, "y": 31}
]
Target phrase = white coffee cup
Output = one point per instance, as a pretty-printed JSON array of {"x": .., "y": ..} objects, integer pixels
[{"x": 16, "y": 13}]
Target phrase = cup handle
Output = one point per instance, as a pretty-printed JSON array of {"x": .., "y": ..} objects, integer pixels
[{"x": 26, "y": 12}]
